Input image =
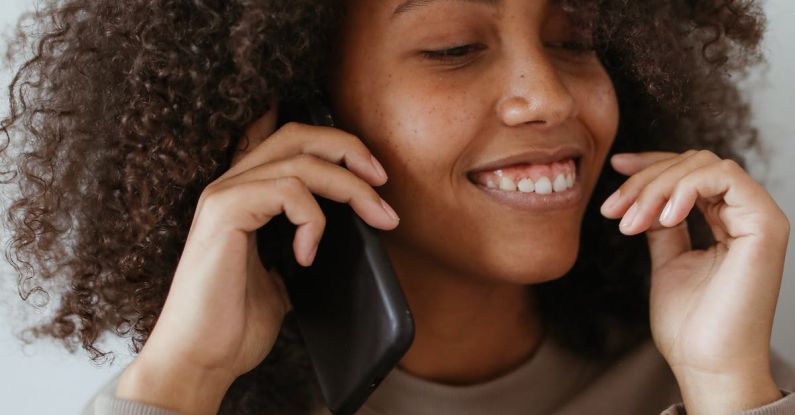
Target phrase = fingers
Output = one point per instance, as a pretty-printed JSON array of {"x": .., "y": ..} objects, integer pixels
[
  {"x": 738, "y": 205},
  {"x": 305, "y": 156},
  {"x": 631, "y": 163},
  {"x": 652, "y": 191},
  {"x": 263, "y": 200},
  {"x": 663, "y": 190},
  {"x": 647, "y": 190},
  {"x": 327, "y": 180},
  {"x": 328, "y": 143}
]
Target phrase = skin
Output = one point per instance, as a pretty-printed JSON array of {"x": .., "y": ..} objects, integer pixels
[
  {"x": 429, "y": 122},
  {"x": 465, "y": 262}
]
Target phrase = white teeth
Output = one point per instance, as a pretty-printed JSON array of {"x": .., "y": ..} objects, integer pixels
[
  {"x": 559, "y": 185},
  {"x": 526, "y": 185},
  {"x": 543, "y": 186},
  {"x": 507, "y": 184}
]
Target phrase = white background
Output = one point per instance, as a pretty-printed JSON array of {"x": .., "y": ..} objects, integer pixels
[{"x": 45, "y": 379}]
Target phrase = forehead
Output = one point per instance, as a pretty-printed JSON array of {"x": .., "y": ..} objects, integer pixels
[{"x": 409, "y": 5}]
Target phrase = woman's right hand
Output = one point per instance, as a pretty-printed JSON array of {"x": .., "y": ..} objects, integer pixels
[{"x": 224, "y": 310}]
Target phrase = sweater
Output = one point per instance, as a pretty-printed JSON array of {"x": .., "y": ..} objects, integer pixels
[{"x": 553, "y": 381}]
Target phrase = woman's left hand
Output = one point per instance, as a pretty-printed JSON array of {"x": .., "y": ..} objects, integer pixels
[{"x": 711, "y": 310}]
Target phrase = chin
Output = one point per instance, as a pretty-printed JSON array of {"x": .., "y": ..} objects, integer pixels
[{"x": 535, "y": 264}]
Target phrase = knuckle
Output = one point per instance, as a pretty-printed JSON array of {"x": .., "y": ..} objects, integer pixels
[
  {"x": 730, "y": 166},
  {"x": 213, "y": 202},
  {"x": 706, "y": 155},
  {"x": 290, "y": 127},
  {"x": 291, "y": 185},
  {"x": 632, "y": 185},
  {"x": 210, "y": 191},
  {"x": 321, "y": 222},
  {"x": 356, "y": 143},
  {"x": 783, "y": 224}
]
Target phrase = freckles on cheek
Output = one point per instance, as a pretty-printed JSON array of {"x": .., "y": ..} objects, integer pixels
[{"x": 418, "y": 125}]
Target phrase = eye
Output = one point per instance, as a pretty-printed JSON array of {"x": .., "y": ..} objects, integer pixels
[{"x": 456, "y": 53}]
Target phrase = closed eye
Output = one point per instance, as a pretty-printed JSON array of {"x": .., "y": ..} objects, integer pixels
[{"x": 454, "y": 53}]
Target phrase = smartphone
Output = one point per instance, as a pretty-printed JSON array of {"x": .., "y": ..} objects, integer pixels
[{"x": 349, "y": 306}]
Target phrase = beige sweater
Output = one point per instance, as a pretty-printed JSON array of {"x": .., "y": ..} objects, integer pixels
[{"x": 553, "y": 381}]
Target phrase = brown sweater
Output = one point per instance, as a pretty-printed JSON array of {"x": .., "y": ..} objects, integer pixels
[{"x": 553, "y": 381}]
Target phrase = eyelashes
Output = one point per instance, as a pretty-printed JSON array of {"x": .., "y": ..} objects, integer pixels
[
  {"x": 463, "y": 52},
  {"x": 453, "y": 53}
]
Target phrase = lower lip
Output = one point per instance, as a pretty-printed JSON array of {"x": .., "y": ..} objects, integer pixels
[{"x": 535, "y": 202}]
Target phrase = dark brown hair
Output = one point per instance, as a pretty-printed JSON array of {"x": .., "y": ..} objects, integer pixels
[{"x": 126, "y": 110}]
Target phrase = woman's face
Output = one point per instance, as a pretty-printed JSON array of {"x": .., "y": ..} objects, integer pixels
[{"x": 512, "y": 80}]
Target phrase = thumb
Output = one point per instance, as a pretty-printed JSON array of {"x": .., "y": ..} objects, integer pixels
[{"x": 667, "y": 243}]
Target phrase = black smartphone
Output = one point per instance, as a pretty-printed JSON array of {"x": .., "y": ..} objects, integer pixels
[{"x": 349, "y": 306}]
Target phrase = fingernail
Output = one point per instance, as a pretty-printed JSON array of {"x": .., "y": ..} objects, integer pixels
[
  {"x": 629, "y": 217},
  {"x": 611, "y": 201},
  {"x": 378, "y": 167},
  {"x": 388, "y": 209},
  {"x": 666, "y": 213}
]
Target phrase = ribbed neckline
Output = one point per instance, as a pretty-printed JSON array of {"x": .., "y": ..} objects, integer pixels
[{"x": 537, "y": 386}]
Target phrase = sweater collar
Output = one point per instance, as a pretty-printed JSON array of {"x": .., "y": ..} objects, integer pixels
[{"x": 537, "y": 386}]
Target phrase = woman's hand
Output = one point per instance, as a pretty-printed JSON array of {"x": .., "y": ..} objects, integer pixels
[
  {"x": 224, "y": 310},
  {"x": 711, "y": 310}
]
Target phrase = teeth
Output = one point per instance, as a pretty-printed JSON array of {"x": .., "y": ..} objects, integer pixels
[
  {"x": 543, "y": 186},
  {"x": 507, "y": 184},
  {"x": 526, "y": 185},
  {"x": 559, "y": 184}
]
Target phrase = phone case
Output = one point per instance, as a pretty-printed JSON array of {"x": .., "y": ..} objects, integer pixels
[{"x": 349, "y": 305}]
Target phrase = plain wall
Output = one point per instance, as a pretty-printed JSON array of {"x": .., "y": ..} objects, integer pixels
[{"x": 44, "y": 378}]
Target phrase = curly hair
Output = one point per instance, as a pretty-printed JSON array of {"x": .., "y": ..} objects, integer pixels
[{"x": 124, "y": 112}]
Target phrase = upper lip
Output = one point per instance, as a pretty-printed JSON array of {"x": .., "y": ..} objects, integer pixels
[{"x": 535, "y": 156}]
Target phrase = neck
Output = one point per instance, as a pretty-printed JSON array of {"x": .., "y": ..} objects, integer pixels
[{"x": 467, "y": 330}]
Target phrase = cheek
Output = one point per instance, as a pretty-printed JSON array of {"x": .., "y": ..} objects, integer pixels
[
  {"x": 600, "y": 112},
  {"x": 422, "y": 127},
  {"x": 599, "y": 117}
]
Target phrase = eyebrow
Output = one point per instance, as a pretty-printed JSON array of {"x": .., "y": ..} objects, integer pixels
[{"x": 414, "y": 4}]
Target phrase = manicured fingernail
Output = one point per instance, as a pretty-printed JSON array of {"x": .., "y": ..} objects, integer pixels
[
  {"x": 389, "y": 211},
  {"x": 666, "y": 213},
  {"x": 611, "y": 201},
  {"x": 629, "y": 217},
  {"x": 378, "y": 167}
]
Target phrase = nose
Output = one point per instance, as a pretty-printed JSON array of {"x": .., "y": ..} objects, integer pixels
[{"x": 535, "y": 93}]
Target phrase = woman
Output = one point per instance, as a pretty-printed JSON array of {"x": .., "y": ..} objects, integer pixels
[{"x": 474, "y": 134}]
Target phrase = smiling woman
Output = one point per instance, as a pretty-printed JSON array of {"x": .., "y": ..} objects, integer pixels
[{"x": 474, "y": 135}]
